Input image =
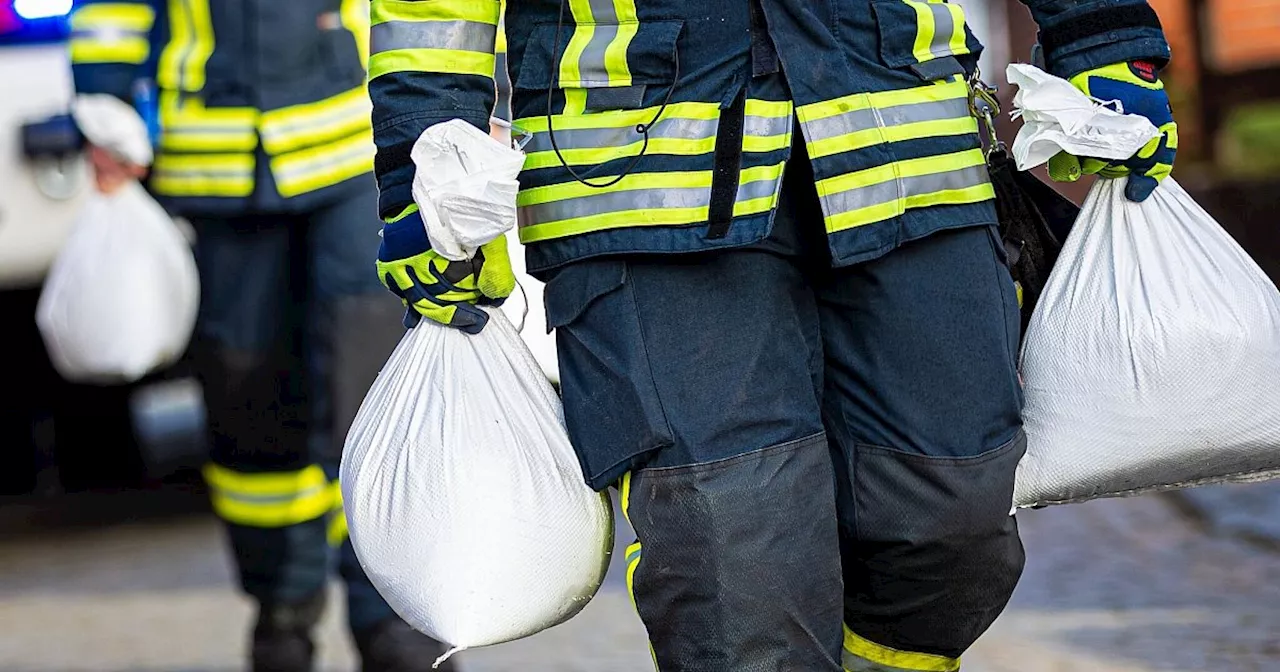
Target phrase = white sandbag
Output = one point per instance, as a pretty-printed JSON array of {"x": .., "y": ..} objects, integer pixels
[
  {"x": 1153, "y": 358},
  {"x": 464, "y": 499},
  {"x": 121, "y": 298}
]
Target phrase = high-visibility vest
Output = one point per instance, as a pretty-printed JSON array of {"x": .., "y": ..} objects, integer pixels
[
  {"x": 877, "y": 88},
  {"x": 262, "y": 104}
]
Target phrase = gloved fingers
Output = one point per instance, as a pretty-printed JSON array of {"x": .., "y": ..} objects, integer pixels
[
  {"x": 1064, "y": 167},
  {"x": 440, "y": 293},
  {"x": 411, "y": 317},
  {"x": 1140, "y": 187},
  {"x": 463, "y": 316},
  {"x": 496, "y": 279}
]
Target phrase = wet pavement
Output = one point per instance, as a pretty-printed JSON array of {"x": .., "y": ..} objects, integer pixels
[{"x": 1139, "y": 585}]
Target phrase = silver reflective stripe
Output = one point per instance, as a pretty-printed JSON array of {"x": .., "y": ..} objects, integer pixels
[
  {"x": 944, "y": 26},
  {"x": 108, "y": 34},
  {"x": 759, "y": 189},
  {"x": 203, "y": 172},
  {"x": 344, "y": 111},
  {"x": 294, "y": 170},
  {"x": 252, "y": 498},
  {"x": 766, "y": 127},
  {"x": 618, "y": 201},
  {"x": 854, "y": 663},
  {"x": 858, "y": 120},
  {"x": 608, "y": 138},
  {"x": 859, "y": 198},
  {"x": 591, "y": 65},
  {"x": 453, "y": 35}
]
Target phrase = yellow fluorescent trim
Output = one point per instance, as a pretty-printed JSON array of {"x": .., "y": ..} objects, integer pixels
[
  {"x": 909, "y": 168},
  {"x": 252, "y": 514},
  {"x": 571, "y": 190},
  {"x": 895, "y": 658},
  {"x": 131, "y": 17},
  {"x": 861, "y": 101},
  {"x": 924, "y": 31},
  {"x": 613, "y": 220},
  {"x": 874, "y": 136},
  {"x": 480, "y": 11},
  {"x": 266, "y": 483},
  {"x": 582, "y": 157},
  {"x": 619, "y": 118},
  {"x": 615, "y": 55},
  {"x": 958, "y": 46},
  {"x": 131, "y": 50},
  {"x": 883, "y": 211},
  {"x": 754, "y": 206},
  {"x": 446, "y": 61},
  {"x": 768, "y": 108}
]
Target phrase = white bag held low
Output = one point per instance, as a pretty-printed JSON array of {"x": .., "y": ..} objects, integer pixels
[
  {"x": 122, "y": 296},
  {"x": 1153, "y": 358},
  {"x": 464, "y": 498}
]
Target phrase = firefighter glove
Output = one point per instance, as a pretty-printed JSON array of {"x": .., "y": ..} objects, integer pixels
[
  {"x": 437, "y": 288},
  {"x": 1131, "y": 88}
]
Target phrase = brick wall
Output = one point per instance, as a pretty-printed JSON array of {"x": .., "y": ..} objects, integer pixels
[{"x": 1242, "y": 34}]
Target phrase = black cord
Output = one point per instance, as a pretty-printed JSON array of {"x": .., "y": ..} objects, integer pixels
[{"x": 640, "y": 128}]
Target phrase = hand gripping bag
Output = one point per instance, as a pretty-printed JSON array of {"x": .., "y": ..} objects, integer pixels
[
  {"x": 464, "y": 498},
  {"x": 122, "y": 296},
  {"x": 1153, "y": 359}
]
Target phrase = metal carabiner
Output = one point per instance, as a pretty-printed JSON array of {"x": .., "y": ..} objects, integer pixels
[{"x": 984, "y": 106}]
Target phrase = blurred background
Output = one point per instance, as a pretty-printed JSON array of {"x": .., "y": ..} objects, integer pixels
[{"x": 110, "y": 559}]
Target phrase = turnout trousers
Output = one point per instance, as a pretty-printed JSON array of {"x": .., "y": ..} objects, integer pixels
[
  {"x": 293, "y": 328},
  {"x": 818, "y": 462}
]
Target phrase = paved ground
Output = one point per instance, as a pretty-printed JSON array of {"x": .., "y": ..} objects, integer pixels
[{"x": 1115, "y": 586}]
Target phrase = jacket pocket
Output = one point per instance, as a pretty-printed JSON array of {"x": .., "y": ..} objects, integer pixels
[
  {"x": 604, "y": 66},
  {"x": 930, "y": 38},
  {"x": 612, "y": 409}
]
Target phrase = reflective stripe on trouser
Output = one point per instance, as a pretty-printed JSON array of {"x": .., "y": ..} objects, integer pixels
[
  {"x": 269, "y": 499},
  {"x": 863, "y": 655},
  {"x": 737, "y": 562},
  {"x": 457, "y": 37},
  {"x": 111, "y": 33}
]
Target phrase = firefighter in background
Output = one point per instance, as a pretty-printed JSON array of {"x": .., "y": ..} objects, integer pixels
[
  {"x": 265, "y": 145},
  {"x": 785, "y": 327}
]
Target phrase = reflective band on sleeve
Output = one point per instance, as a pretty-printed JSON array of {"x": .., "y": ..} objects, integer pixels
[
  {"x": 887, "y": 191},
  {"x": 291, "y": 128},
  {"x": 863, "y": 655},
  {"x": 111, "y": 33},
  {"x": 449, "y": 35},
  {"x": 228, "y": 175},
  {"x": 455, "y": 37},
  {"x": 269, "y": 499},
  {"x": 323, "y": 166},
  {"x": 862, "y": 120}
]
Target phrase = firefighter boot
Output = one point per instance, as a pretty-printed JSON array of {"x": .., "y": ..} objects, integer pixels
[
  {"x": 393, "y": 646},
  {"x": 282, "y": 635}
]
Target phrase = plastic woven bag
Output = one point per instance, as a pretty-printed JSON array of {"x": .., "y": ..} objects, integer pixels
[
  {"x": 1153, "y": 359},
  {"x": 122, "y": 296},
  {"x": 464, "y": 498}
]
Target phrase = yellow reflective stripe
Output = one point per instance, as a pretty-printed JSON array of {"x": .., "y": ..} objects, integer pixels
[
  {"x": 355, "y": 18},
  {"x": 619, "y": 118},
  {"x": 265, "y": 483},
  {"x": 297, "y": 126},
  {"x": 583, "y": 31},
  {"x": 326, "y": 165},
  {"x": 128, "y": 17},
  {"x": 633, "y": 181},
  {"x": 864, "y": 655},
  {"x": 183, "y": 60},
  {"x": 626, "y": 496},
  {"x": 337, "y": 529},
  {"x": 229, "y": 175},
  {"x": 484, "y": 11},
  {"x": 768, "y": 125},
  {"x": 924, "y": 31},
  {"x": 758, "y": 189},
  {"x": 446, "y": 61},
  {"x": 883, "y": 192},
  {"x": 909, "y": 168},
  {"x": 861, "y": 101},
  {"x": 293, "y": 511},
  {"x": 187, "y": 126},
  {"x": 131, "y": 50},
  {"x": 615, "y": 55},
  {"x": 958, "y": 45},
  {"x": 615, "y": 220},
  {"x": 878, "y": 135}
]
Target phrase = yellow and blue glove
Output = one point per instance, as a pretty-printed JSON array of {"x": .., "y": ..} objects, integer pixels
[
  {"x": 1138, "y": 89},
  {"x": 437, "y": 288}
]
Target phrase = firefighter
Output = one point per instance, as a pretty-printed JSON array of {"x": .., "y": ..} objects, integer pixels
[
  {"x": 265, "y": 145},
  {"x": 786, "y": 329}
]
